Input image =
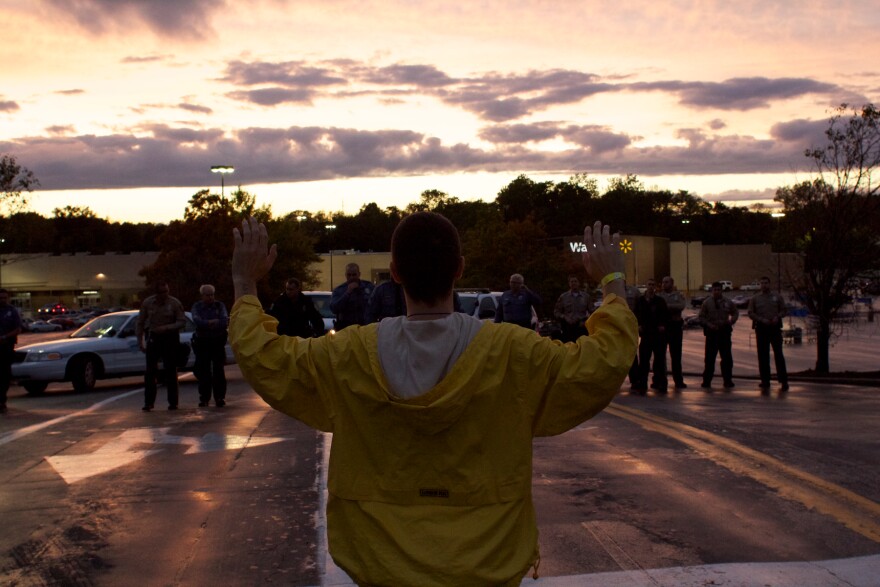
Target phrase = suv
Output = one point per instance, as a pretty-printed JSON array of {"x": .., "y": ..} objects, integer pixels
[
  {"x": 480, "y": 303},
  {"x": 725, "y": 285},
  {"x": 321, "y": 300},
  {"x": 483, "y": 304}
]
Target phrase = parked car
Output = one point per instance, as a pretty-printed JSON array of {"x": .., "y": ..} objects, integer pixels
[
  {"x": 697, "y": 301},
  {"x": 321, "y": 299},
  {"x": 104, "y": 348},
  {"x": 483, "y": 304},
  {"x": 480, "y": 303},
  {"x": 43, "y": 326},
  {"x": 725, "y": 285},
  {"x": 691, "y": 322},
  {"x": 65, "y": 322},
  {"x": 752, "y": 286},
  {"x": 741, "y": 300}
]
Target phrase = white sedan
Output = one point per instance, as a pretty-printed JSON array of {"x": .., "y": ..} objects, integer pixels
[
  {"x": 106, "y": 347},
  {"x": 43, "y": 326}
]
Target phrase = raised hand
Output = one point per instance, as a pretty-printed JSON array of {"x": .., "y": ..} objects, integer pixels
[
  {"x": 252, "y": 257},
  {"x": 602, "y": 256}
]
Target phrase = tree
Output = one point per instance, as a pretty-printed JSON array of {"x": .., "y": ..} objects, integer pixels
[
  {"x": 834, "y": 219},
  {"x": 15, "y": 179},
  {"x": 198, "y": 249},
  {"x": 496, "y": 249},
  {"x": 430, "y": 200},
  {"x": 79, "y": 230},
  {"x": 521, "y": 197}
]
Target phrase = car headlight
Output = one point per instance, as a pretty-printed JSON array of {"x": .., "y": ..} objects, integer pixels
[{"x": 43, "y": 356}]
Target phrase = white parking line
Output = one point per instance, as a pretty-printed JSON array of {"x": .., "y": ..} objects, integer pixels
[
  {"x": 331, "y": 575},
  {"x": 27, "y": 430}
]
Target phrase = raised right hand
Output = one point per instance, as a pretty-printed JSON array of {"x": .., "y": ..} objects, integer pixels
[{"x": 602, "y": 255}]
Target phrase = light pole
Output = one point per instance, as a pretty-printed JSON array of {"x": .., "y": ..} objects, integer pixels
[
  {"x": 687, "y": 262},
  {"x": 331, "y": 227},
  {"x": 2, "y": 240},
  {"x": 222, "y": 170},
  {"x": 778, "y": 216}
]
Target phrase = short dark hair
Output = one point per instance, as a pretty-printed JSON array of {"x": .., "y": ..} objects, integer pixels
[
  {"x": 717, "y": 284},
  {"x": 294, "y": 281},
  {"x": 426, "y": 251}
]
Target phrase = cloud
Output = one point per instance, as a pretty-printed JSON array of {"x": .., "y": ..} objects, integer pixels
[
  {"x": 274, "y": 96},
  {"x": 145, "y": 58},
  {"x": 597, "y": 139},
  {"x": 72, "y": 92},
  {"x": 8, "y": 106},
  {"x": 426, "y": 76},
  {"x": 745, "y": 93},
  {"x": 195, "y": 108},
  {"x": 492, "y": 96},
  {"x": 58, "y": 129},
  {"x": 801, "y": 131},
  {"x": 179, "y": 18},
  {"x": 289, "y": 74},
  {"x": 498, "y": 97},
  {"x": 163, "y": 155}
]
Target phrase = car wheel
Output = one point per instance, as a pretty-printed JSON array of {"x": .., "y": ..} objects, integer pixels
[
  {"x": 35, "y": 387},
  {"x": 84, "y": 374}
]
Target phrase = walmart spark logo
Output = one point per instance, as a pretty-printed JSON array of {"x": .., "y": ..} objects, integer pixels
[{"x": 626, "y": 246}]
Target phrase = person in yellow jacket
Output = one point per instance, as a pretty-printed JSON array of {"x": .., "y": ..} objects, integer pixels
[{"x": 433, "y": 413}]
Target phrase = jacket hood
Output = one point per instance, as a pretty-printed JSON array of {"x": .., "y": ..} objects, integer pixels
[{"x": 439, "y": 407}]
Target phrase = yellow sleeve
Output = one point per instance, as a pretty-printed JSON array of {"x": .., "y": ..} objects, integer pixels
[
  {"x": 584, "y": 376},
  {"x": 284, "y": 370}
]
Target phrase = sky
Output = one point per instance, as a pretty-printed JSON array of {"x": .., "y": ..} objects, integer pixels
[{"x": 123, "y": 106}]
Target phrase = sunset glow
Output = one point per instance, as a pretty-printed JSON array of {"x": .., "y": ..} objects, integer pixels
[{"x": 125, "y": 106}]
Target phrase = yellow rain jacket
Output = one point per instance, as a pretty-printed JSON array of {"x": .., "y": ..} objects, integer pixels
[{"x": 435, "y": 489}]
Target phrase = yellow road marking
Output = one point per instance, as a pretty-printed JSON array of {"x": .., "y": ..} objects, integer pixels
[{"x": 852, "y": 510}]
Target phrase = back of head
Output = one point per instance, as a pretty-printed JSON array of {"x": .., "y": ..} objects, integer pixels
[{"x": 426, "y": 251}]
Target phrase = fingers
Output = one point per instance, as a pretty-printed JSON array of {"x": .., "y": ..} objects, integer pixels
[
  {"x": 599, "y": 236},
  {"x": 252, "y": 232}
]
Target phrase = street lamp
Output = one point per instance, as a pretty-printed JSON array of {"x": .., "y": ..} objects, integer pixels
[
  {"x": 687, "y": 261},
  {"x": 2, "y": 240},
  {"x": 331, "y": 227},
  {"x": 222, "y": 170},
  {"x": 778, "y": 216}
]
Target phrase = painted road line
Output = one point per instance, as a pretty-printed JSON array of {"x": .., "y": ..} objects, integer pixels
[
  {"x": 850, "y": 509},
  {"x": 128, "y": 447},
  {"x": 331, "y": 575},
  {"x": 27, "y": 430}
]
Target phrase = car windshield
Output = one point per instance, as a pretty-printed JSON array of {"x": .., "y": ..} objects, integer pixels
[
  {"x": 102, "y": 326},
  {"x": 468, "y": 303},
  {"x": 322, "y": 303}
]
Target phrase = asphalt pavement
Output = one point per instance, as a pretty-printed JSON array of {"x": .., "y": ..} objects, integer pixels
[{"x": 853, "y": 350}]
